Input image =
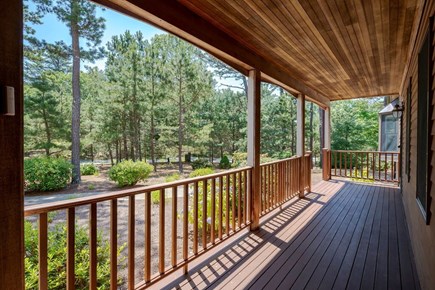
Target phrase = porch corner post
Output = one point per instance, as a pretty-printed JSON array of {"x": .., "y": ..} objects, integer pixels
[
  {"x": 254, "y": 118},
  {"x": 327, "y": 145},
  {"x": 300, "y": 142}
]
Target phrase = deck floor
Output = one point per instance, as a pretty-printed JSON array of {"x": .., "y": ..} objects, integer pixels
[{"x": 343, "y": 235}]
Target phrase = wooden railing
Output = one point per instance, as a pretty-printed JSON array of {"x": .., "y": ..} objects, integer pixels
[
  {"x": 224, "y": 197},
  {"x": 225, "y": 204},
  {"x": 284, "y": 179},
  {"x": 368, "y": 165}
]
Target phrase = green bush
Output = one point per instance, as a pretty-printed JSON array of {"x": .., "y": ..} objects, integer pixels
[
  {"x": 201, "y": 172},
  {"x": 57, "y": 258},
  {"x": 45, "y": 173},
  {"x": 129, "y": 173},
  {"x": 224, "y": 163},
  {"x": 88, "y": 169},
  {"x": 240, "y": 159},
  {"x": 201, "y": 163},
  {"x": 172, "y": 177}
]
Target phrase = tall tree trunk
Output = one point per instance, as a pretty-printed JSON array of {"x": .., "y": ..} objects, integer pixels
[
  {"x": 321, "y": 133},
  {"x": 180, "y": 133},
  {"x": 110, "y": 154},
  {"x": 75, "y": 124},
  {"x": 47, "y": 132},
  {"x": 311, "y": 129},
  {"x": 152, "y": 140}
]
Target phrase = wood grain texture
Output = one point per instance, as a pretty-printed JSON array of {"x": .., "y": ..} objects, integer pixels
[
  {"x": 11, "y": 149},
  {"x": 342, "y": 236},
  {"x": 344, "y": 49}
]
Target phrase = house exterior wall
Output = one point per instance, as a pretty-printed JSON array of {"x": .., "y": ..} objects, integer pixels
[
  {"x": 11, "y": 150},
  {"x": 422, "y": 235}
]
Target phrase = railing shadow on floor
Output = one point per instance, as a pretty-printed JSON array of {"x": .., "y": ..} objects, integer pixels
[{"x": 250, "y": 242}]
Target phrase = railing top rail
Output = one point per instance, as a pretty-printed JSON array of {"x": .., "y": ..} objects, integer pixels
[
  {"x": 65, "y": 204},
  {"x": 279, "y": 161},
  {"x": 356, "y": 151}
]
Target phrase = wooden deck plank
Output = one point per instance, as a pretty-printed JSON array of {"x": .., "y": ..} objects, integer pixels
[
  {"x": 368, "y": 275},
  {"x": 288, "y": 215},
  {"x": 303, "y": 271},
  {"x": 308, "y": 240},
  {"x": 332, "y": 261},
  {"x": 355, "y": 258},
  {"x": 353, "y": 237},
  {"x": 381, "y": 277}
]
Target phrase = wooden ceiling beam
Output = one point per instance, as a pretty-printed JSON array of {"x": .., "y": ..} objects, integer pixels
[{"x": 171, "y": 16}]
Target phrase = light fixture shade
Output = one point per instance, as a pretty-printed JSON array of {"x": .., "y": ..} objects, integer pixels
[{"x": 397, "y": 111}]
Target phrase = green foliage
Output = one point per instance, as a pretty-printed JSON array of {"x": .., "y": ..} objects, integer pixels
[
  {"x": 240, "y": 159},
  {"x": 46, "y": 173},
  {"x": 224, "y": 163},
  {"x": 172, "y": 177},
  {"x": 89, "y": 169},
  {"x": 91, "y": 187},
  {"x": 201, "y": 163},
  {"x": 201, "y": 172},
  {"x": 57, "y": 258},
  {"x": 355, "y": 124},
  {"x": 129, "y": 172}
]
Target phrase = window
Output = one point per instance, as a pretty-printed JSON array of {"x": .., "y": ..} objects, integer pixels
[{"x": 423, "y": 119}]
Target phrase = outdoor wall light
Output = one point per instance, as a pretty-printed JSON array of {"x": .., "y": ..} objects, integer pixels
[{"x": 398, "y": 111}]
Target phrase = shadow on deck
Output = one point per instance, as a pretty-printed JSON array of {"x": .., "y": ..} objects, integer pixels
[{"x": 342, "y": 235}]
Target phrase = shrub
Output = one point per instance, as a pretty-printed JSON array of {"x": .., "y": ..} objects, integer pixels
[
  {"x": 240, "y": 159},
  {"x": 129, "y": 173},
  {"x": 201, "y": 172},
  {"x": 201, "y": 163},
  {"x": 172, "y": 177},
  {"x": 224, "y": 163},
  {"x": 88, "y": 169},
  {"x": 45, "y": 173},
  {"x": 57, "y": 258}
]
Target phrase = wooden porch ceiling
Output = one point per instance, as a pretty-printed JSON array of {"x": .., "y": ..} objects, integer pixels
[{"x": 328, "y": 50}]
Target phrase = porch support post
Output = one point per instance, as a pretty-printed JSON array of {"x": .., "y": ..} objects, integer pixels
[
  {"x": 300, "y": 141},
  {"x": 327, "y": 128},
  {"x": 326, "y": 166},
  {"x": 254, "y": 116}
]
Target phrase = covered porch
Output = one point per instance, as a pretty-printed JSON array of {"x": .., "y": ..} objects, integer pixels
[{"x": 341, "y": 235}]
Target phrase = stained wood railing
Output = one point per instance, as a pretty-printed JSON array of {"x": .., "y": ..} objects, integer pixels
[
  {"x": 284, "y": 179},
  {"x": 224, "y": 197},
  {"x": 366, "y": 165}
]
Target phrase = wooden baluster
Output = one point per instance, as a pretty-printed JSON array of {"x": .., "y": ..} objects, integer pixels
[
  {"x": 93, "y": 246},
  {"x": 374, "y": 165},
  {"x": 379, "y": 165},
  {"x": 147, "y": 230},
  {"x": 162, "y": 232},
  {"x": 245, "y": 197},
  {"x": 263, "y": 190},
  {"x": 340, "y": 164},
  {"x": 204, "y": 214},
  {"x": 213, "y": 209},
  {"x": 345, "y": 164},
  {"x": 131, "y": 242},
  {"x": 367, "y": 160},
  {"x": 114, "y": 244},
  {"x": 174, "y": 226},
  {"x": 70, "y": 263},
  {"x": 185, "y": 225},
  {"x": 362, "y": 165},
  {"x": 221, "y": 189},
  {"x": 195, "y": 218},
  {"x": 350, "y": 161},
  {"x": 392, "y": 167},
  {"x": 335, "y": 161},
  {"x": 42, "y": 247},
  {"x": 239, "y": 203},
  {"x": 227, "y": 213},
  {"x": 270, "y": 193},
  {"x": 233, "y": 209},
  {"x": 386, "y": 165}
]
